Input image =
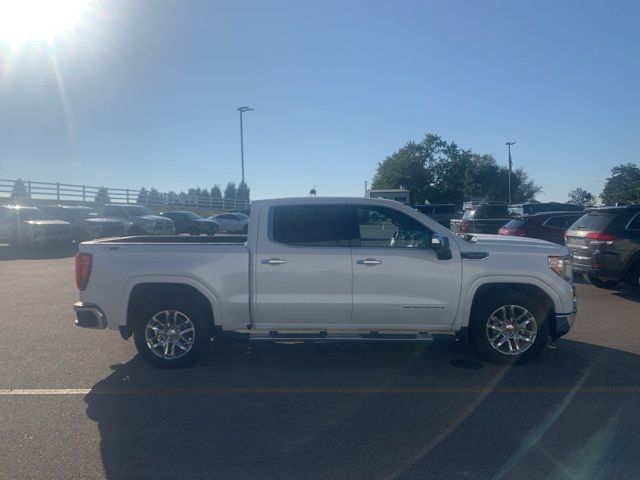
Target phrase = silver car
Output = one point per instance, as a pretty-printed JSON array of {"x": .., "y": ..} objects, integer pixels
[{"x": 232, "y": 222}]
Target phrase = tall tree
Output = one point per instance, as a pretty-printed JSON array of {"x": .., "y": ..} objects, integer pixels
[
  {"x": 143, "y": 197},
  {"x": 230, "y": 191},
  {"x": 102, "y": 196},
  {"x": 581, "y": 197},
  {"x": 155, "y": 197},
  {"x": 19, "y": 192},
  {"x": 243, "y": 191},
  {"x": 623, "y": 186},
  {"x": 438, "y": 171},
  {"x": 216, "y": 192}
]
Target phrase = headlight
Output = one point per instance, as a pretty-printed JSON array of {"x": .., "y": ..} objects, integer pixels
[{"x": 562, "y": 266}]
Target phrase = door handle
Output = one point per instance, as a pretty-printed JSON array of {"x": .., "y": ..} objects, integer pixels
[
  {"x": 272, "y": 261},
  {"x": 368, "y": 261}
]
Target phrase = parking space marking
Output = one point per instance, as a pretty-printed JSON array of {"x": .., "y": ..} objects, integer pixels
[{"x": 317, "y": 390}]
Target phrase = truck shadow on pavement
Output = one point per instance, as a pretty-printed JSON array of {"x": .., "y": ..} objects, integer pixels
[
  {"x": 11, "y": 253},
  {"x": 368, "y": 411}
]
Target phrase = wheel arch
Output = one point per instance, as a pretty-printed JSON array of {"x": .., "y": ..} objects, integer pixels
[
  {"x": 483, "y": 288},
  {"x": 143, "y": 291}
]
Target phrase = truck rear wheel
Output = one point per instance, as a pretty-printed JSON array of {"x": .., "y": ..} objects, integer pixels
[
  {"x": 509, "y": 328},
  {"x": 172, "y": 334}
]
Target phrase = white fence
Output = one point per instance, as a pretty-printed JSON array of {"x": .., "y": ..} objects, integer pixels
[{"x": 43, "y": 192}]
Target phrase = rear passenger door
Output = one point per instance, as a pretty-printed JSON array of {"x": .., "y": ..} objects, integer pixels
[{"x": 303, "y": 268}]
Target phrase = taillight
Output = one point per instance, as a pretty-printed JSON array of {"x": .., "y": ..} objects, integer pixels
[
  {"x": 83, "y": 269},
  {"x": 511, "y": 231},
  {"x": 597, "y": 237},
  {"x": 464, "y": 226}
]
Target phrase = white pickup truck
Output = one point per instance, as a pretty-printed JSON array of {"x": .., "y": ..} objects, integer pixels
[{"x": 328, "y": 269}]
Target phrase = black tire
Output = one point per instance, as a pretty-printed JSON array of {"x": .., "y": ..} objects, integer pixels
[
  {"x": 487, "y": 308},
  {"x": 598, "y": 282},
  {"x": 633, "y": 279},
  {"x": 202, "y": 331}
]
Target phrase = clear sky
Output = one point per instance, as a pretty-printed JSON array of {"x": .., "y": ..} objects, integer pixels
[{"x": 144, "y": 93}]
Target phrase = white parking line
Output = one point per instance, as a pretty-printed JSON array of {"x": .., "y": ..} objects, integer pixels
[{"x": 319, "y": 390}]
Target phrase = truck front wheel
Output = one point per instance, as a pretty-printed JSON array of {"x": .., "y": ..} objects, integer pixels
[
  {"x": 172, "y": 334},
  {"x": 509, "y": 328}
]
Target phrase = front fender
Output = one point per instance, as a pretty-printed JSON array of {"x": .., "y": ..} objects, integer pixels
[{"x": 470, "y": 290}]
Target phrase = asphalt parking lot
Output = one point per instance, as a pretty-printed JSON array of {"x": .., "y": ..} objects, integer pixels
[{"x": 81, "y": 404}]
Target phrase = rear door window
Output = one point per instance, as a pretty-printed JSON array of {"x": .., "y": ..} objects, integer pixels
[
  {"x": 594, "y": 221},
  {"x": 561, "y": 222},
  {"x": 634, "y": 224},
  {"x": 314, "y": 225}
]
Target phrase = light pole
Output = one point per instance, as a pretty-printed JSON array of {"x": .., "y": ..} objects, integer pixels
[
  {"x": 508, "y": 144},
  {"x": 242, "y": 110}
]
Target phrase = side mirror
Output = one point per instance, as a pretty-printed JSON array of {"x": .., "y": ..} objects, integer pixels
[{"x": 440, "y": 243}]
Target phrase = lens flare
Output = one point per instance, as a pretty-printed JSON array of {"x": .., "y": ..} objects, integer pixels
[{"x": 23, "y": 21}]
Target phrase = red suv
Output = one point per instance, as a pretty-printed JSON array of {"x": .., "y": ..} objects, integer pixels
[{"x": 548, "y": 226}]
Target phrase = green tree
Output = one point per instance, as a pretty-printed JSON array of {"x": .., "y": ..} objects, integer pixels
[
  {"x": 216, "y": 192},
  {"x": 623, "y": 186},
  {"x": 19, "y": 192},
  {"x": 102, "y": 196},
  {"x": 581, "y": 197},
  {"x": 438, "y": 171},
  {"x": 243, "y": 191},
  {"x": 143, "y": 197},
  {"x": 155, "y": 197},
  {"x": 230, "y": 191}
]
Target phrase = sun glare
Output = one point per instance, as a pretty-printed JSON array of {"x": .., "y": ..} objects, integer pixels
[{"x": 23, "y": 21}]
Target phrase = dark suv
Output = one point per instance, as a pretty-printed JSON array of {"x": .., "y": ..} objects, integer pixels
[
  {"x": 191, "y": 223},
  {"x": 442, "y": 213},
  {"x": 486, "y": 217},
  {"x": 549, "y": 226},
  {"x": 86, "y": 223},
  {"x": 605, "y": 244}
]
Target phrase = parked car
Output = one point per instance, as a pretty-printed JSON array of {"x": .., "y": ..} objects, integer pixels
[
  {"x": 549, "y": 226},
  {"x": 27, "y": 227},
  {"x": 191, "y": 223},
  {"x": 528, "y": 208},
  {"x": 139, "y": 220},
  {"x": 486, "y": 217},
  {"x": 442, "y": 213},
  {"x": 232, "y": 222},
  {"x": 86, "y": 223},
  {"x": 605, "y": 243},
  {"x": 320, "y": 270}
]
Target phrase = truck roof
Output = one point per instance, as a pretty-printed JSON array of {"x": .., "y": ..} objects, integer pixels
[{"x": 315, "y": 200}]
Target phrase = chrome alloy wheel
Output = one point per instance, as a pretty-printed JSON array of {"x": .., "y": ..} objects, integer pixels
[
  {"x": 170, "y": 334},
  {"x": 511, "y": 329}
]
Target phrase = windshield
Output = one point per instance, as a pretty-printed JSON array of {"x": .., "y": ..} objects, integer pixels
[{"x": 136, "y": 210}]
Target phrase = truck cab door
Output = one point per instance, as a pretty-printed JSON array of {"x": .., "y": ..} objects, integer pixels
[
  {"x": 398, "y": 279},
  {"x": 303, "y": 268}
]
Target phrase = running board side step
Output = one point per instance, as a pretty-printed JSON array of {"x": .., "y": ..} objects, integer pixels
[{"x": 275, "y": 336}]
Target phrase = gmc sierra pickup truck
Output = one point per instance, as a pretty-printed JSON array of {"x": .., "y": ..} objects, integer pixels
[{"x": 328, "y": 269}]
